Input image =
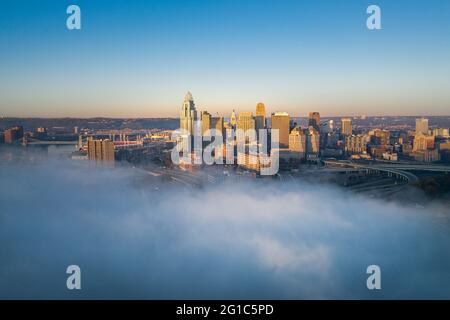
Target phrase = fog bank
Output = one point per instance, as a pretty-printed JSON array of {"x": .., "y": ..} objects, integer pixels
[{"x": 250, "y": 240}]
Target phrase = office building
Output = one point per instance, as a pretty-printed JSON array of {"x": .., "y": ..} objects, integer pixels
[
  {"x": 440, "y": 132},
  {"x": 216, "y": 123},
  {"x": 297, "y": 142},
  {"x": 281, "y": 121},
  {"x": 380, "y": 137},
  {"x": 423, "y": 142},
  {"x": 206, "y": 122},
  {"x": 260, "y": 118},
  {"x": 13, "y": 134},
  {"x": 245, "y": 121},
  {"x": 233, "y": 120},
  {"x": 431, "y": 155},
  {"x": 327, "y": 126},
  {"x": 312, "y": 142},
  {"x": 101, "y": 150},
  {"x": 346, "y": 126},
  {"x": 356, "y": 144},
  {"x": 422, "y": 126},
  {"x": 188, "y": 115},
  {"x": 314, "y": 120}
]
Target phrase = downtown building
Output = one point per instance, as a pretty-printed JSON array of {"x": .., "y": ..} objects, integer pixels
[
  {"x": 188, "y": 126},
  {"x": 245, "y": 121},
  {"x": 312, "y": 143},
  {"x": 188, "y": 116},
  {"x": 260, "y": 118},
  {"x": 422, "y": 126},
  {"x": 13, "y": 134},
  {"x": 357, "y": 144},
  {"x": 101, "y": 151},
  {"x": 314, "y": 120},
  {"x": 424, "y": 148},
  {"x": 346, "y": 126},
  {"x": 281, "y": 121},
  {"x": 297, "y": 143}
]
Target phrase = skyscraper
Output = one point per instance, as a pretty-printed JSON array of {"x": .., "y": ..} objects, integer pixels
[
  {"x": 327, "y": 126},
  {"x": 281, "y": 121},
  {"x": 346, "y": 126},
  {"x": 233, "y": 119},
  {"x": 216, "y": 123},
  {"x": 297, "y": 142},
  {"x": 380, "y": 137},
  {"x": 423, "y": 142},
  {"x": 260, "y": 116},
  {"x": 245, "y": 121},
  {"x": 312, "y": 142},
  {"x": 422, "y": 126},
  {"x": 188, "y": 114},
  {"x": 206, "y": 122},
  {"x": 314, "y": 120},
  {"x": 101, "y": 150}
]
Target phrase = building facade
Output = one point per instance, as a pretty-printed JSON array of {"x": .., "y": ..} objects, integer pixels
[
  {"x": 281, "y": 121},
  {"x": 101, "y": 150},
  {"x": 422, "y": 126},
  {"x": 260, "y": 118},
  {"x": 188, "y": 115},
  {"x": 13, "y": 134},
  {"x": 346, "y": 126}
]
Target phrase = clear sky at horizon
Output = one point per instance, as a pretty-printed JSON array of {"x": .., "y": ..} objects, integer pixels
[{"x": 138, "y": 58}]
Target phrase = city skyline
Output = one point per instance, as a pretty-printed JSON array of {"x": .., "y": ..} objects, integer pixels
[
  {"x": 227, "y": 113},
  {"x": 295, "y": 56}
]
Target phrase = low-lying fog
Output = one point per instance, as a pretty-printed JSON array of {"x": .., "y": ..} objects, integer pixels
[{"x": 250, "y": 240}]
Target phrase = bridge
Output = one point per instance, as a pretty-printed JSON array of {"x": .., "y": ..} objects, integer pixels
[{"x": 398, "y": 172}]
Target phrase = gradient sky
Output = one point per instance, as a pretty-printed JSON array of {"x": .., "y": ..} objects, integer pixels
[{"x": 138, "y": 58}]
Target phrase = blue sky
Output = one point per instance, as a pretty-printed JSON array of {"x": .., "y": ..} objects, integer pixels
[{"x": 138, "y": 58}]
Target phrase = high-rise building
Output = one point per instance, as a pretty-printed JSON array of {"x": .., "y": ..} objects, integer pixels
[
  {"x": 206, "y": 122},
  {"x": 233, "y": 119},
  {"x": 380, "y": 137},
  {"x": 209, "y": 122},
  {"x": 297, "y": 142},
  {"x": 440, "y": 132},
  {"x": 260, "y": 118},
  {"x": 423, "y": 142},
  {"x": 314, "y": 120},
  {"x": 327, "y": 126},
  {"x": 13, "y": 134},
  {"x": 356, "y": 144},
  {"x": 188, "y": 115},
  {"x": 281, "y": 121},
  {"x": 216, "y": 123},
  {"x": 227, "y": 125},
  {"x": 312, "y": 141},
  {"x": 245, "y": 121},
  {"x": 101, "y": 150},
  {"x": 422, "y": 125},
  {"x": 346, "y": 126}
]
